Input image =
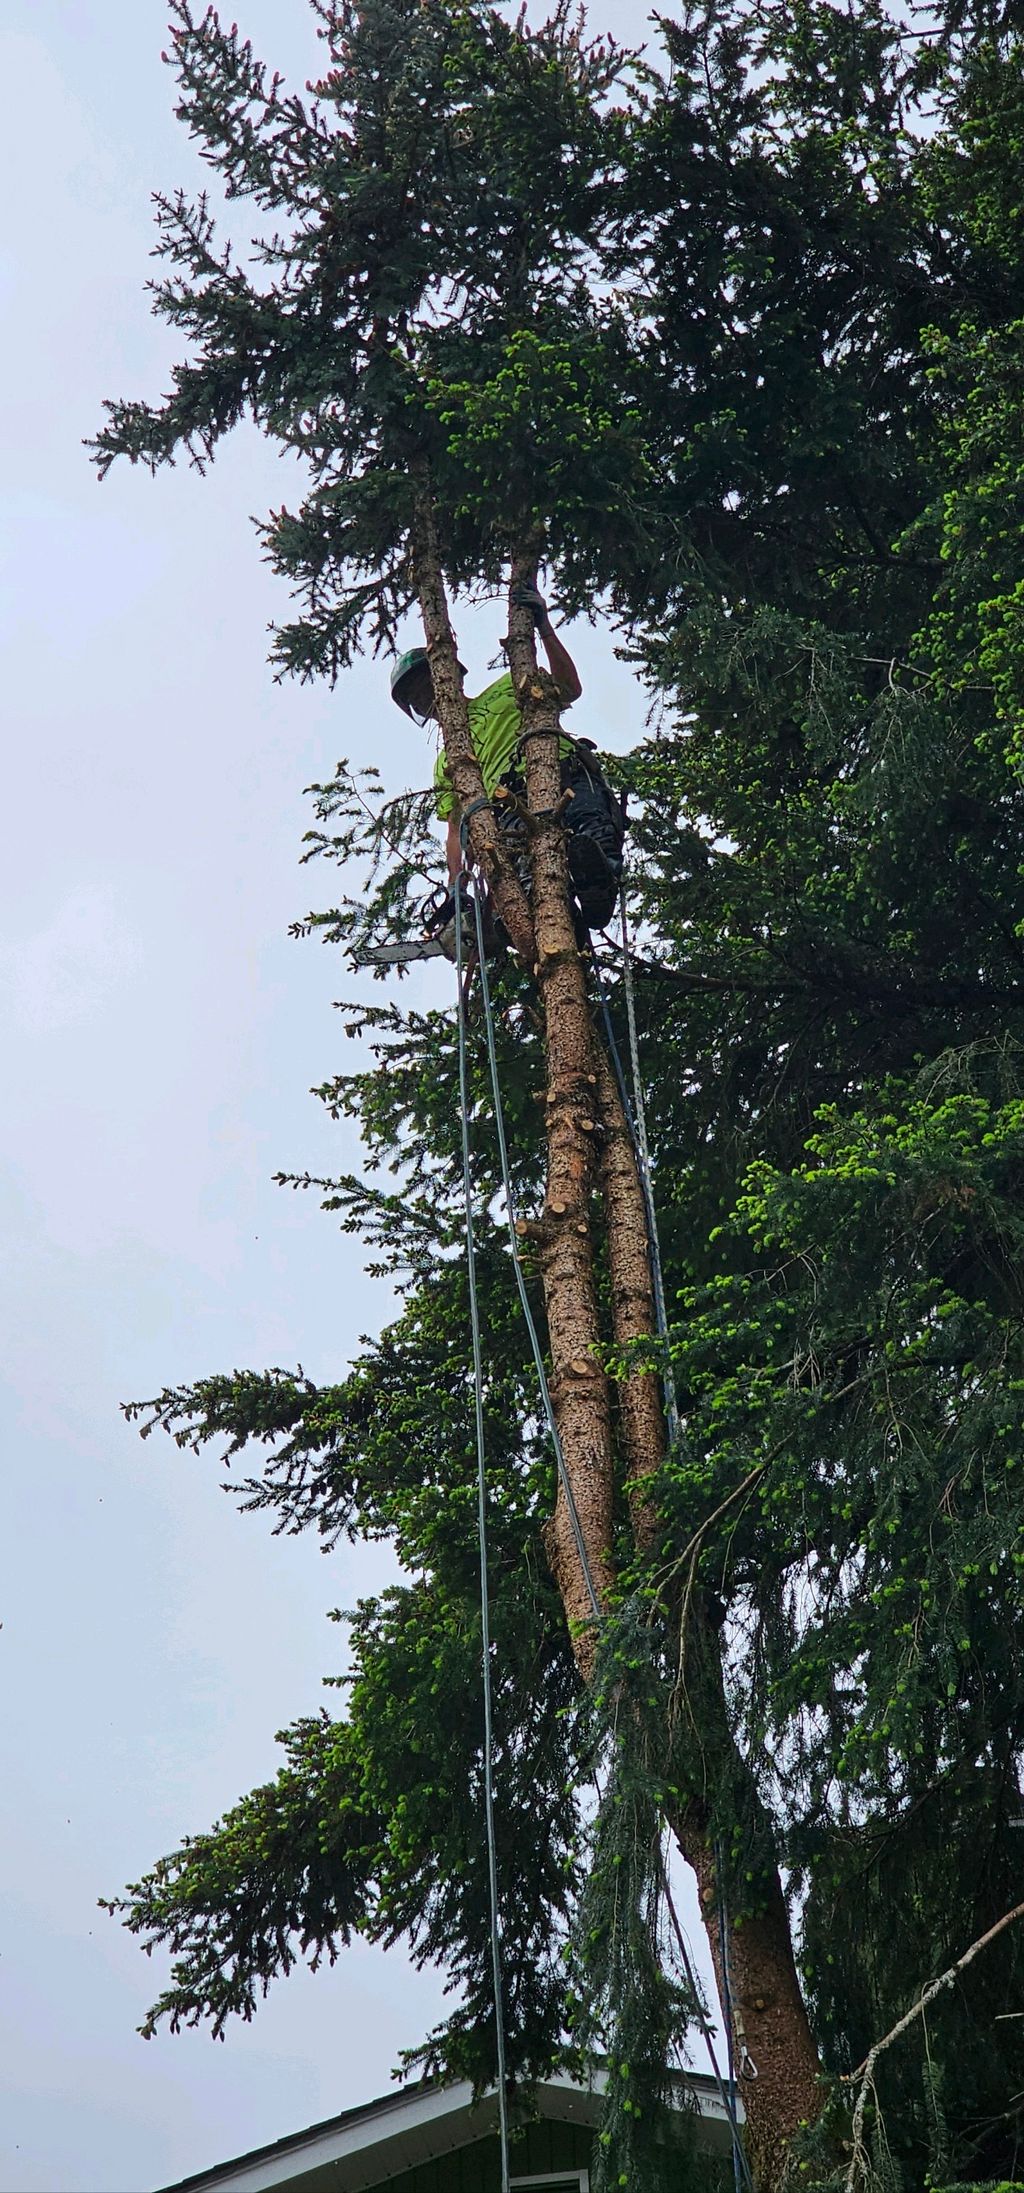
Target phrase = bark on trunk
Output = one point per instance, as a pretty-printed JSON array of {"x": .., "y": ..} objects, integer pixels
[
  {"x": 507, "y": 897},
  {"x": 588, "y": 1140},
  {"x": 544, "y": 938},
  {"x": 579, "y": 1385},
  {"x": 776, "y": 2056},
  {"x": 641, "y": 1417},
  {"x": 771, "y": 2032},
  {"x": 770, "y": 2023}
]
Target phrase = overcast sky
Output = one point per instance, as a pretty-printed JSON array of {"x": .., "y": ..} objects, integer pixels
[{"x": 161, "y": 1036}]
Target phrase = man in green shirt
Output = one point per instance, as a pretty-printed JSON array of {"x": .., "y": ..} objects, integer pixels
[{"x": 593, "y": 821}]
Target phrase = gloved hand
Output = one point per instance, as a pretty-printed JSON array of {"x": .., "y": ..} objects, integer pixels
[
  {"x": 439, "y": 908},
  {"x": 439, "y": 920},
  {"x": 530, "y": 597}
]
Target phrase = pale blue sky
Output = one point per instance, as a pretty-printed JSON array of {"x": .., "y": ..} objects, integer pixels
[{"x": 162, "y": 1034}]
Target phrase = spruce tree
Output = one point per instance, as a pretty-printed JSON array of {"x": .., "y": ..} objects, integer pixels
[{"x": 738, "y": 345}]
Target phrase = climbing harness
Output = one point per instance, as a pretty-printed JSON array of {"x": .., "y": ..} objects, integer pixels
[{"x": 595, "y": 827}]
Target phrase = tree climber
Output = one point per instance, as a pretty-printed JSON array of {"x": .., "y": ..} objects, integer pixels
[{"x": 594, "y": 822}]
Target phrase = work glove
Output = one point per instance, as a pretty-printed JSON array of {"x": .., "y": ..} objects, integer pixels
[
  {"x": 439, "y": 919},
  {"x": 530, "y": 597}
]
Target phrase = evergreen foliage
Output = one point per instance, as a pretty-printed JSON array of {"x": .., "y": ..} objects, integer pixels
[
  {"x": 742, "y": 331},
  {"x": 632, "y": 2005}
]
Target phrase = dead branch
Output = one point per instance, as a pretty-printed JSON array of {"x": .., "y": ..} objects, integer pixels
[{"x": 865, "y": 2071}]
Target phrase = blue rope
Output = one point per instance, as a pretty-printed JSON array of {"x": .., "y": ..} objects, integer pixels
[{"x": 485, "y": 1612}]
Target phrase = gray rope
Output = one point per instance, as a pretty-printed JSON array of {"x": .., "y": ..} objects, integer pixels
[
  {"x": 510, "y": 1209},
  {"x": 644, "y": 1162},
  {"x": 727, "y": 2000},
  {"x": 740, "y": 2165},
  {"x": 485, "y": 1615},
  {"x": 643, "y": 1167}
]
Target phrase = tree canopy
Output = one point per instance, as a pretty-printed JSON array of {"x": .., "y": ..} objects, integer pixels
[{"x": 735, "y": 327}]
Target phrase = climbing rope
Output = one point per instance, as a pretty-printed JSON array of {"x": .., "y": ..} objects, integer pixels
[
  {"x": 637, "y": 1122},
  {"x": 510, "y": 1212},
  {"x": 638, "y": 1133},
  {"x": 740, "y": 2165},
  {"x": 485, "y": 1614},
  {"x": 637, "y": 1125},
  {"x": 727, "y": 1998}
]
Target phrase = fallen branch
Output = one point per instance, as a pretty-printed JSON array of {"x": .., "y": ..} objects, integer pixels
[{"x": 865, "y": 2071}]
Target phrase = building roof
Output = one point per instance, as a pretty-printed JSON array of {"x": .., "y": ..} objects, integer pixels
[{"x": 365, "y": 2147}]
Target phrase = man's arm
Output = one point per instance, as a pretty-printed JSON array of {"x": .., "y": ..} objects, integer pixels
[
  {"x": 567, "y": 679},
  {"x": 560, "y": 662}
]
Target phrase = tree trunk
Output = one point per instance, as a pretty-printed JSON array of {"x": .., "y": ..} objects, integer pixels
[
  {"x": 775, "y": 2053},
  {"x": 770, "y": 2028},
  {"x": 629, "y": 1262},
  {"x": 579, "y": 1386},
  {"x": 588, "y": 1141},
  {"x": 545, "y": 940},
  {"x": 453, "y": 715},
  {"x": 769, "y": 2020}
]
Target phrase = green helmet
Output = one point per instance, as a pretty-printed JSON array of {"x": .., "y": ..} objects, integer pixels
[{"x": 414, "y": 658}]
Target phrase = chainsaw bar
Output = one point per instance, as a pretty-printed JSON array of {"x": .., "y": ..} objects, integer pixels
[{"x": 396, "y": 955}]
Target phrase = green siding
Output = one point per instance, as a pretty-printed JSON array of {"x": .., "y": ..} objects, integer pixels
[{"x": 477, "y": 2168}]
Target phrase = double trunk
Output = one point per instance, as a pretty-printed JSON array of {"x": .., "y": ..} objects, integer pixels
[
  {"x": 579, "y": 1384},
  {"x": 590, "y": 1157}
]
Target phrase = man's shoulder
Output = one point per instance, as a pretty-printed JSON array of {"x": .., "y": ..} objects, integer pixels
[{"x": 493, "y": 695}]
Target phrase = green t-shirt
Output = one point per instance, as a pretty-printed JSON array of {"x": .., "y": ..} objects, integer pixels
[{"x": 494, "y": 727}]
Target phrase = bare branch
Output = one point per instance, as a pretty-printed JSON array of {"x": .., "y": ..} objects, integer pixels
[{"x": 865, "y": 2071}]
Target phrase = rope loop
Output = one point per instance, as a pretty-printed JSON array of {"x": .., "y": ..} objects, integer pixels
[
  {"x": 572, "y": 738},
  {"x": 467, "y": 817}
]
